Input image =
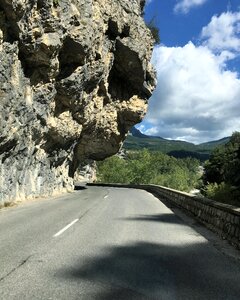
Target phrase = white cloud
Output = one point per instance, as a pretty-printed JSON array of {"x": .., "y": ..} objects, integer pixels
[
  {"x": 184, "y": 6},
  {"x": 197, "y": 98},
  {"x": 223, "y": 32}
]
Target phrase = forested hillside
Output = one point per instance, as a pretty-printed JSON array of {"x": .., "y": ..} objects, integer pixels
[{"x": 179, "y": 149}]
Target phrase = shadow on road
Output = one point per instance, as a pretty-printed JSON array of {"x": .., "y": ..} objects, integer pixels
[
  {"x": 79, "y": 187},
  {"x": 156, "y": 271},
  {"x": 164, "y": 218}
]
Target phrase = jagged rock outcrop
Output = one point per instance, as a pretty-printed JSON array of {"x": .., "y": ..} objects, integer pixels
[{"x": 74, "y": 77}]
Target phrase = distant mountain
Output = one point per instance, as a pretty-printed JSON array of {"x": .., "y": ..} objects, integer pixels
[
  {"x": 215, "y": 143},
  {"x": 136, "y": 140},
  {"x": 137, "y": 133}
]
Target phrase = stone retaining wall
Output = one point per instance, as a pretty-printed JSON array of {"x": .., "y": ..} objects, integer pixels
[{"x": 221, "y": 218}]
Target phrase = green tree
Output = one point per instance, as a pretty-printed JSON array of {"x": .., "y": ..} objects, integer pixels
[
  {"x": 145, "y": 167},
  {"x": 113, "y": 170},
  {"x": 224, "y": 163},
  {"x": 141, "y": 167},
  {"x": 222, "y": 172}
]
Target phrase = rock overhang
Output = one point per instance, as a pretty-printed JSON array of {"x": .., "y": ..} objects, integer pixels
[{"x": 75, "y": 77}]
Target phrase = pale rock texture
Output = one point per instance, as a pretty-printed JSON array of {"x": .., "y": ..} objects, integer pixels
[{"x": 74, "y": 78}]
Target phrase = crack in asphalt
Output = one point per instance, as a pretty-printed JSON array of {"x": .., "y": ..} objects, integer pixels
[
  {"x": 16, "y": 268},
  {"x": 88, "y": 210}
]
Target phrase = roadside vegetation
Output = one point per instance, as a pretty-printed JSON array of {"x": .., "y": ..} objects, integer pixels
[
  {"x": 145, "y": 167},
  {"x": 7, "y": 204},
  {"x": 222, "y": 173},
  {"x": 220, "y": 181}
]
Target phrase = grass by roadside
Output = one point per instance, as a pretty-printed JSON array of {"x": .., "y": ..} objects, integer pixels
[
  {"x": 8, "y": 204},
  {"x": 11, "y": 204}
]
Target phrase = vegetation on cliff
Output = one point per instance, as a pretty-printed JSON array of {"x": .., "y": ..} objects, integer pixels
[
  {"x": 154, "y": 31},
  {"x": 145, "y": 167}
]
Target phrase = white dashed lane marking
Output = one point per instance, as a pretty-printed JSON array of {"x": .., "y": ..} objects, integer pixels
[{"x": 65, "y": 228}]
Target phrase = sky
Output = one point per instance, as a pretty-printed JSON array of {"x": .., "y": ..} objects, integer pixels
[{"x": 197, "y": 98}]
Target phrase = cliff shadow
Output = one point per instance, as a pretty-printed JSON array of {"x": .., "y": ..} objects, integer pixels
[
  {"x": 80, "y": 187},
  {"x": 146, "y": 270},
  {"x": 164, "y": 218}
]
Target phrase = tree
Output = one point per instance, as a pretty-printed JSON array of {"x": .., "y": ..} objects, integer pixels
[
  {"x": 224, "y": 163},
  {"x": 222, "y": 172},
  {"x": 145, "y": 167},
  {"x": 113, "y": 170}
]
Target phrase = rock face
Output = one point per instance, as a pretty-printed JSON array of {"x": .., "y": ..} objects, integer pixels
[{"x": 74, "y": 77}]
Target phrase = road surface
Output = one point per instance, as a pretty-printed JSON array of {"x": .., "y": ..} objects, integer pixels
[{"x": 109, "y": 243}]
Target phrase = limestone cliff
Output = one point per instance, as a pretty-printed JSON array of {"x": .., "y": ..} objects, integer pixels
[{"x": 74, "y": 77}]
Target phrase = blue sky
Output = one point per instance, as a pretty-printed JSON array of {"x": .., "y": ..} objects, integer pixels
[{"x": 198, "y": 68}]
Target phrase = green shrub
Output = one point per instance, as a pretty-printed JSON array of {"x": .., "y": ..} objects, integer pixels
[
  {"x": 222, "y": 192},
  {"x": 154, "y": 31}
]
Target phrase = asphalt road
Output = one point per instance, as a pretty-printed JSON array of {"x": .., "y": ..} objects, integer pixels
[{"x": 109, "y": 243}]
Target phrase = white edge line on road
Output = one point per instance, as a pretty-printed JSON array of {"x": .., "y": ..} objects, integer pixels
[{"x": 65, "y": 228}]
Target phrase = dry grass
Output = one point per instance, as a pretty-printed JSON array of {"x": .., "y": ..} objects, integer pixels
[{"x": 7, "y": 204}]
